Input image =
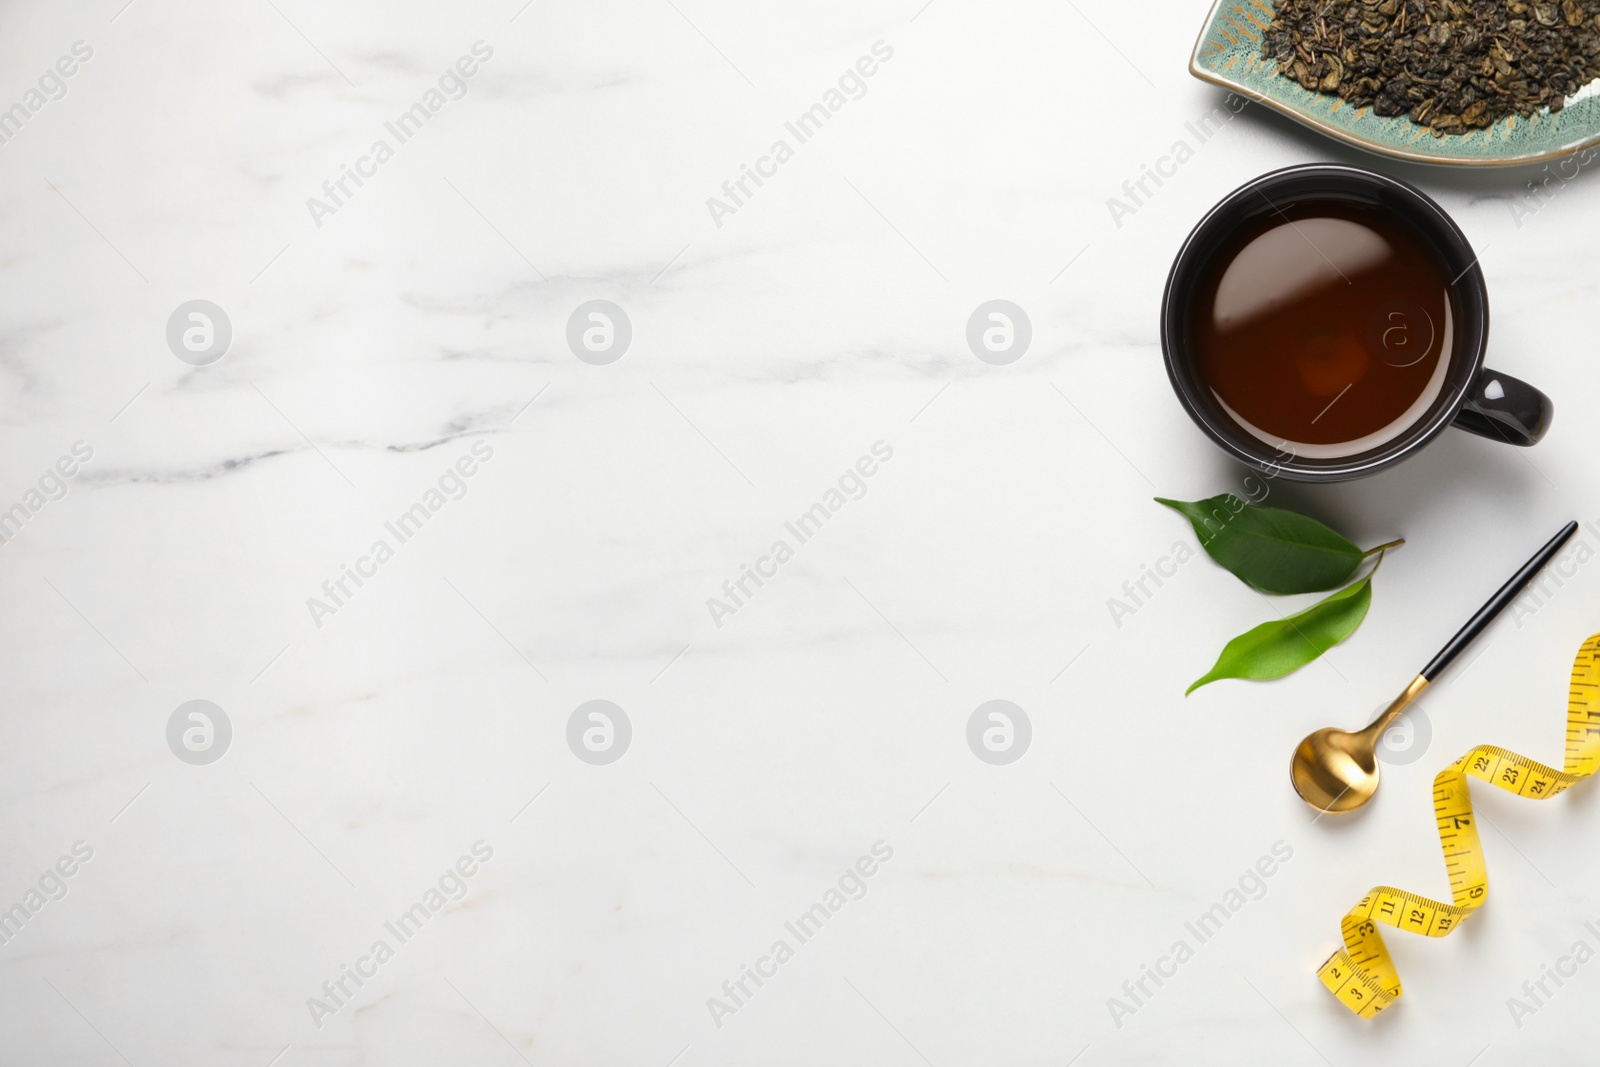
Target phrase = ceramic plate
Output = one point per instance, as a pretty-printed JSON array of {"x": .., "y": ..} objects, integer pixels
[{"x": 1229, "y": 54}]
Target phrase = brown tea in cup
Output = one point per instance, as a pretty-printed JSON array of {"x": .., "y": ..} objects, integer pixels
[{"x": 1324, "y": 327}]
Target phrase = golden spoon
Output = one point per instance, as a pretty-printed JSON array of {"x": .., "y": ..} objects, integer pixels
[{"x": 1337, "y": 770}]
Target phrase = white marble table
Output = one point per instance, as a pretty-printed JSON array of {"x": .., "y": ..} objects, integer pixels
[{"x": 396, "y": 769}]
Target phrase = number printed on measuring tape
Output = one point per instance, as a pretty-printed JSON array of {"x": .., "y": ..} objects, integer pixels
[{"x": 1361, "y": 974}]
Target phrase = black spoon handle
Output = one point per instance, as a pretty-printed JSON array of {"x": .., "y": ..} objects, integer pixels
[{"x": 1497, "y": 603}]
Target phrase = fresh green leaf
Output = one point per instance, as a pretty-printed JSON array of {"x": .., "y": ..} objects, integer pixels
[
  {"x": 1274, "y": 550},
  {"x": 1276, "y": 648}
]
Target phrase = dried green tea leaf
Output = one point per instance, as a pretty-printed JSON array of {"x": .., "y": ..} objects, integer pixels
[{"x": 1453, "y": 66}]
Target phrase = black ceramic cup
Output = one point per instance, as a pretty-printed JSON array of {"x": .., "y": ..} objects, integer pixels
[{"x": 1474, "y": 398}]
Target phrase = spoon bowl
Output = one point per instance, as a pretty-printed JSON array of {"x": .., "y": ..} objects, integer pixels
[{"x": 1335, "y": 770}]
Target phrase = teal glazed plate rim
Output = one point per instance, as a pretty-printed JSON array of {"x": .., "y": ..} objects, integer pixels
[{"x": 1228, "y": 54}]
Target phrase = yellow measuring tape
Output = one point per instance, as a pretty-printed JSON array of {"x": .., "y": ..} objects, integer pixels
[{"x": 1361, "y": 974}]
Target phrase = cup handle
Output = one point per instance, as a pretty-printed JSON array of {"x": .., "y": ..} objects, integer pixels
[{"x": 1506, "y": 409}]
